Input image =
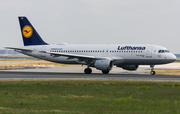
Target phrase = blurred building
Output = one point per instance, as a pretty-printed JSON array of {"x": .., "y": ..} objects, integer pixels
[{"x": 8, "y": 52}]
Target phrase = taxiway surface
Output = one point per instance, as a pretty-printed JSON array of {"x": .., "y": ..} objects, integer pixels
[
  {"x": 77, "y": 72},
  {"x": 48, "y": 75}
]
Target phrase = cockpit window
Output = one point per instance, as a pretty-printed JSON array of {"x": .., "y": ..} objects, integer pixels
[
  {"x": 163, "y": 51},
  {"x": 167, "y": 51}
]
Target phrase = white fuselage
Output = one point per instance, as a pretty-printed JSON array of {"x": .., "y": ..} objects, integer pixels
[{"x": 121, "y": 54}]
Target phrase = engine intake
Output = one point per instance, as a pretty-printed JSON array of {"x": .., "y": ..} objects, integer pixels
[{"x": 104, "y": 65}]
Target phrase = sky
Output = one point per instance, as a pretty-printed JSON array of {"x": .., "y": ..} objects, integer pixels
[{"x": 94, "y": 22}]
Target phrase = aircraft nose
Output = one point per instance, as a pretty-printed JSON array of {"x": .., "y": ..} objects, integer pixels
[{"x": 173, "y": 57}]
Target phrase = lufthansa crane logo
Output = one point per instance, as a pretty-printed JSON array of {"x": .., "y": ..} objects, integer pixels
[{"x": 27, "y": 31}]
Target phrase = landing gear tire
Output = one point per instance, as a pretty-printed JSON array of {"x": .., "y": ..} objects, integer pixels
[
  {"x": 87, "y": 71},
  {"x": 152, "y": 72},
  {"x": 105, "y": 71}
]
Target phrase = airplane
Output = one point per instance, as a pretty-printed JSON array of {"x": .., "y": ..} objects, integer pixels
[{"x": 101, "y": 56}]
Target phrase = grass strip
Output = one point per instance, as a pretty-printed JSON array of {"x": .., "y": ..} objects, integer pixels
[
  {"x": 168, "y": 72},
  {"x": 89, "y": 96}
]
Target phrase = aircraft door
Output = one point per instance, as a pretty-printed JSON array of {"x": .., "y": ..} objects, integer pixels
[
  {"x": 43, "y": 49},
  {"x": 149, "y": 52}
]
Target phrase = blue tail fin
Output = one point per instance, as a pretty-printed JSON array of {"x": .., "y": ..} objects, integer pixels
[{"x": 29, "y": 34}]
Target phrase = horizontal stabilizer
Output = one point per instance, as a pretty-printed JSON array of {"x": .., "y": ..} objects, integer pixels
[{"x": 22, "y": 49}]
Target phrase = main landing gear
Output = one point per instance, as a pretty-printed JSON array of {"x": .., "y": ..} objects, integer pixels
[
  {"x": 105, "y": 71},
  {"x": 152, "y": 70},
  {"x": 88, "y": 70}
]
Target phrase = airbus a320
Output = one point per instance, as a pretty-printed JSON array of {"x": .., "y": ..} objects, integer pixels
[{"x": 101, "y": 56}]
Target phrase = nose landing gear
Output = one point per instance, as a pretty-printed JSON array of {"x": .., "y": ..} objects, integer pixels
[{"x": 152, "y": 70}]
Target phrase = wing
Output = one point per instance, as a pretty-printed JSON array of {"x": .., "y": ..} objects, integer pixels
[
  {"x": 69, "y": 55},
  {"x": 86, "y": 58},
  {"x": 22, "y": 49}
]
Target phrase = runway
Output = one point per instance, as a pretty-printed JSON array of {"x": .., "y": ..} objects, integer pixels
[{"x": 58, "y": 75}]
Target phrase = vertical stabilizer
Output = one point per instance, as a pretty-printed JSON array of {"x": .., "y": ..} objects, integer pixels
[{"x": 29, "y": 34}]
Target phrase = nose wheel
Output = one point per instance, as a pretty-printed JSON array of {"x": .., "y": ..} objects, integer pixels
[{"x": 152, "y": 70}]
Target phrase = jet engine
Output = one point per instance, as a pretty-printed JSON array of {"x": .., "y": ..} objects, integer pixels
[
  {"x": 104, "y": 65},
  {"x": 129, "y": 67}
]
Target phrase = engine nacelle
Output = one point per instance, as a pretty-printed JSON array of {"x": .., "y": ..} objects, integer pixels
[
  {"x": 105, "y": 65},
  {"x": 130, "y": 67}
]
